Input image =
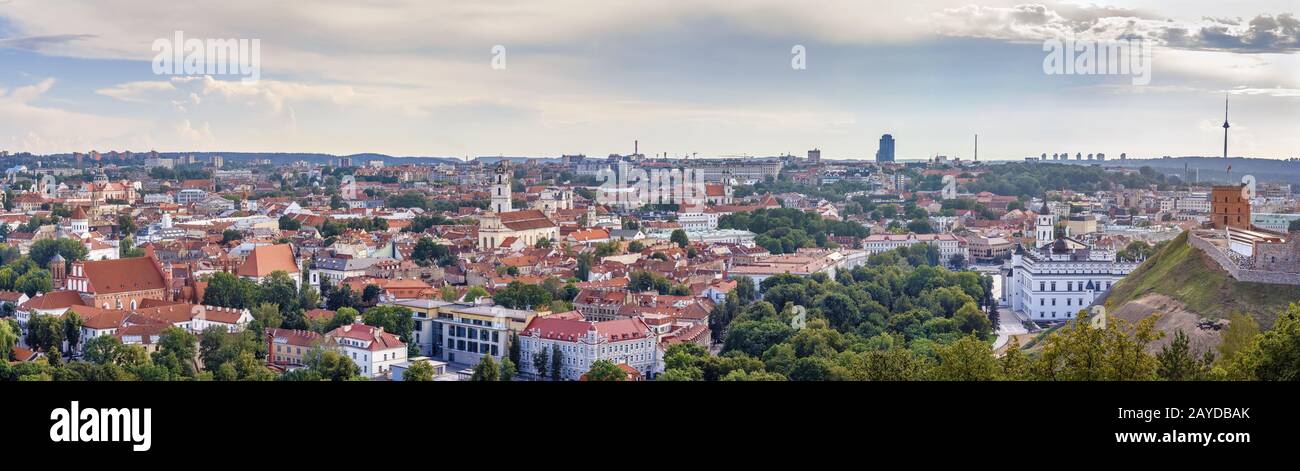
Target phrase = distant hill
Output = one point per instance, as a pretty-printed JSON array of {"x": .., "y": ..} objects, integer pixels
[
  {"x": 1214, "y": 169},
  {"x": 1199, "y": 286}
]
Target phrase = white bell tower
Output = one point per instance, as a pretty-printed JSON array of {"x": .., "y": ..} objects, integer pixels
[
  {"x": 501, "y": 188},
  {"x": 1045, "y": 230}
]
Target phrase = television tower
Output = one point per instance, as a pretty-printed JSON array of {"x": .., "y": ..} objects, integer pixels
[{"x": 1225, "y": 125}]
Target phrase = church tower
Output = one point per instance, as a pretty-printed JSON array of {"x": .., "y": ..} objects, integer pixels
[
  {"x": 501, "y": 188},
  {"x": 1045, "y": 230}
]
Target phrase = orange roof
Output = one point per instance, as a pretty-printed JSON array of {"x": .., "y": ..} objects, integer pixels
[
  {"x": 54, "y": 300},
  {"x": 267, "y": 259},
  {"x": 127, "y": 274},
  {"x": 589, "y": 234}
]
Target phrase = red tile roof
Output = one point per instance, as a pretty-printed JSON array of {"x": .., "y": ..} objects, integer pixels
[
  {"x": 379, "y": 340},
  {"x": 127, "y": 274},
  {"x": 54, "y": 300},
  {"x": 569, "y": 330},
  {"x": 267, "y": 259}
]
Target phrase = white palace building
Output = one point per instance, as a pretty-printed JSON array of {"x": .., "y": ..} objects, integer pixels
[{"x": 1060, "y": 276}]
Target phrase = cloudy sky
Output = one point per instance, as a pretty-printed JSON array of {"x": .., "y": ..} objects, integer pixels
[{"x": 712, "y": 77}]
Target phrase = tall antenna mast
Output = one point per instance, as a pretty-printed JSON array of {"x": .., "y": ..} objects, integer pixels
[
  {"x": 1225, "y": 125},
  {"x": 977, "y": 147}
]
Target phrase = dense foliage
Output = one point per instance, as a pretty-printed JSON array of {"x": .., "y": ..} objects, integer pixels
[
  {"x": 786, "y": 230},
  {"x": 1034, "y": 179}
]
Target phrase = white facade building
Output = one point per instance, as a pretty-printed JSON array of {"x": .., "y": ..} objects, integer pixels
[
  {"x": 947, "y": 244},
  {"x": 582, "y": 342},
  {"x": 373, "y": 350},
  {"x": 698, "y": 221},
  {"x": 190, "y": 195},
  {"x": 1056, "y": 280}
]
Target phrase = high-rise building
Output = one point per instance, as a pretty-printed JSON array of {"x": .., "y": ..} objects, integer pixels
[
  {"x": 886, "y": 152},
  {"x": 814, "y": 156}
]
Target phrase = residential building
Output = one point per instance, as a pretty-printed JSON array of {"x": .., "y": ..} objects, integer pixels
[
  {"x": 373, "y": 350},
  {"x": 581, "y": 342}
]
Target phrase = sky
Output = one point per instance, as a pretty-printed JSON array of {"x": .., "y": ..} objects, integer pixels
[{"x": 699, "y": 77}]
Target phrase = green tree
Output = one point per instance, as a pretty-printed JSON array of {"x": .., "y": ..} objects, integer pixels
[
  {"x": 102, "y": 349},
  {"x": 266, "y": 316},
  {"x": 427, "y": 253},
  {"x": 418, "y": 371},
  {"x": 72, "y": 325},
  {"x": 1275, "y": 354},
  {"x": 679, "y": 237},
  {"x": 396, "y": 320},
  {"x": 176, "y": 351},
  {"x": 755, "y": 337},
  {"x": 34, "y": 281},
  {"x": 517, "y": 295},
  {"x": 508, "y": 370},
  {"x": 557, "y": 362},
  {"x": 43, "y": 250},
  {"x": 370, "y": 295},
  {"x": 967, "y": 359},
  {"x": 1079, "y": 352},
  {"x": 1240, "y": 334},
  {"x": 971, "y": 321},
  {"x": 1177, "y": 363},
  {"x": 44, "y": 333},
  {"x": 541, "y": 360},
  {"x": 344, "y": 316},
  {"x": 486, "y": 370},
  {"x": 329, "y": 365},
  {"x": 745, "y": 289},
  {"x": 227, "y": 290},
  {"x": 605, "y": 370},
  {"x": 8, "y": 339},
  {"x": 473, "y": 293},
  {"x": 514, "y": 348},
  {"x": 288, "y": 223},
  {"x": 1014, "y": 364}
]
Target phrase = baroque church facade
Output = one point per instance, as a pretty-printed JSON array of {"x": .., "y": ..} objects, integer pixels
[{"x": 502, "y": 226}]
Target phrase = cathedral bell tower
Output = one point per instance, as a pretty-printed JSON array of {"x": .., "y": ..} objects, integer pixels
[{"x": 1045, "y": 230}]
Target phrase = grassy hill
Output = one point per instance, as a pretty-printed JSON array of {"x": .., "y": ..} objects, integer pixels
[{"x": 1184, "y": 273}]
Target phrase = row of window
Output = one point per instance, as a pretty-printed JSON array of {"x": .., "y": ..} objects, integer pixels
[
  {"x": 287, "y": 349},
  {"x": 1068, "y": 301},
  {"x": 473, "y": 347},
  {"x": 1069, "y": 286},
  {"x": 473, "y": 334}
]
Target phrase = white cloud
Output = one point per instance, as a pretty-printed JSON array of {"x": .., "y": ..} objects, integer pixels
[{"x": 36, "y": 128}]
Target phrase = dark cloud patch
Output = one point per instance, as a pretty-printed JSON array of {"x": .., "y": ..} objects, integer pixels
[
  {"x": 1266, "y": 33},
  {"x": 1031, "y": 14},
  {"x": 37, "y": 43},
  {"x": 1226, "y": 21},
  {"x": 1092, "y": 13}
]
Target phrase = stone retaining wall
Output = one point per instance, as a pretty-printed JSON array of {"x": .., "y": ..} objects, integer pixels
[{"x": 1240, "y": 274}]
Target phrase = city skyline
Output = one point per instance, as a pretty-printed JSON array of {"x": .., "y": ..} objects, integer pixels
[{"x": 399, "y": 78}]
